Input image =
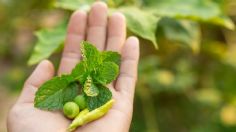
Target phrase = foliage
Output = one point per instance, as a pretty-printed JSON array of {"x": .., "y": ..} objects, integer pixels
[
  {"x": 50, "y": 38},
  {"x": 187, "y": 84},
  {"x": 93, "y": 73},
  {"x": 150, "y": 13}
]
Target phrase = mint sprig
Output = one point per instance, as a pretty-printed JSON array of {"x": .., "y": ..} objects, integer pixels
[
  {"x": 53, "y": 94},
  {"x": 92, "y": 73}
]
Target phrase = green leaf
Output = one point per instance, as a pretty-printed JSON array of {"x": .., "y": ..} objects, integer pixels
[
  {"x": 91, "y": 56},
  {"x": 90, "y": 89},
  {"x": 107, "y": 72},
  {"x": 197, "y": 10},
  {"x": 53, "y": 94},
  {"x": 86, "y": 4},
  {"x": 110, "y": 56},
  {"x": 142, "y": 23},
  {"x": 182, "y": 31},
  {"x": 74, "y": 4},
  {"x": 97, "y": 101},
  {"x": 80, "y": 72},
  {"x": 49, "y": 40}
]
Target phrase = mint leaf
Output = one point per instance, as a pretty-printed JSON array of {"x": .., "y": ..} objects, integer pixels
[
  {"x": 90, "y": 88},
  {"x": 80, "y": 72},
  {"x": 110, "y": 56},
  {"x": 54, "y": 93},
  {"x": 90, "y": 55},
  {"x": 107, "y": 72},
  {"x": 97, "y": 101}
]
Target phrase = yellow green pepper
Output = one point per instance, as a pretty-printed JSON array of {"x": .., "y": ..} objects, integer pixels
[{"x": 85, "y": 116}]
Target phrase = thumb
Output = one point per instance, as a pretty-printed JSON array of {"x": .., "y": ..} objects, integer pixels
[{"x": 43, "y": 72}]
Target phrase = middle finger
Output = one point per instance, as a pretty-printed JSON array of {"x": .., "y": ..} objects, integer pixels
[{"x": 97, "y": 25}]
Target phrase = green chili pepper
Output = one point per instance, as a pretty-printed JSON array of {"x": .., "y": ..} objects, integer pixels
[{"x": 84, "y": 118}]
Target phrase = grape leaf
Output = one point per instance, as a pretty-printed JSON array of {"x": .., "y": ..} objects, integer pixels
[
  {"x": 110, "y": 56},
  {"x": 54, "y": 93},
  {"x": 107, "y": 72},
  {"x": 97, "y": 101},
  {"x": 49, "y": 40}
]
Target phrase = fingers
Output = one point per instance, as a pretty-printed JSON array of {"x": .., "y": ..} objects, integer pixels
[
  {"x": 43, "y": 72},
  {"x": 75, "y": 34},
  {"x": 116, "y": 32},
  {"x": 97, "y": 25},
  {"x": 129, "y": 66}
]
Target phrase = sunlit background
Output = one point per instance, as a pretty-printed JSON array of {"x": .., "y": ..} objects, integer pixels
[{"x": 187, "y": 71}]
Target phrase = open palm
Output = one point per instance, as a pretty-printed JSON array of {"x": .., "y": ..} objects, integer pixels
[{"x": 107, "y": 33}]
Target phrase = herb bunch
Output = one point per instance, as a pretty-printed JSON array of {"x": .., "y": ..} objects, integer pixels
[{"x": 89, "y": 78}]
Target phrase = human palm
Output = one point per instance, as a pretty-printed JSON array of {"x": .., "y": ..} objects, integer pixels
[{"x": 107, "y": 33}]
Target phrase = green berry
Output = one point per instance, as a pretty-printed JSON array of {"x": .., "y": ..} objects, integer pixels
[
  {"x": 80, "y": 101},
  {"x": 71, "y": 110}
]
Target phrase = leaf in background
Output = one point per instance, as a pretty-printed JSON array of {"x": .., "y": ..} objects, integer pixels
[
  {"x": 85, "y": 4},
  {"x": 74, "y": 4},
  {"x": 107, "y": 72},
  {"x": 49, "y": 40},
  {"x": 142, "y": 23},
  {"x": 110, "y": 56},
  {"x": 103, "y": 96},
  {"x": 197, "y": 10},
  {"x": 54, "y": 93},
  {"x": 225, "y": 80},
  {"x": 185, "y": 32}
]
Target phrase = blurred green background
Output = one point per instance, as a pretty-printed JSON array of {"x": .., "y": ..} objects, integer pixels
[{"x": 187, "y": 70}]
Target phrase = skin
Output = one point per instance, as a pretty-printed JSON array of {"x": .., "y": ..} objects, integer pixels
[{"x": 107, "y": 33}]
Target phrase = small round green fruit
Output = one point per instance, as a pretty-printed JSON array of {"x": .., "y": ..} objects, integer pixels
[
  {"x": 80, "y": 101},
  {"x": 71, "y": 110}
]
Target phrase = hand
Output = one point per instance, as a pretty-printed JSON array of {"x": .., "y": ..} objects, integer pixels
[{"x": 107, "y": 33}]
